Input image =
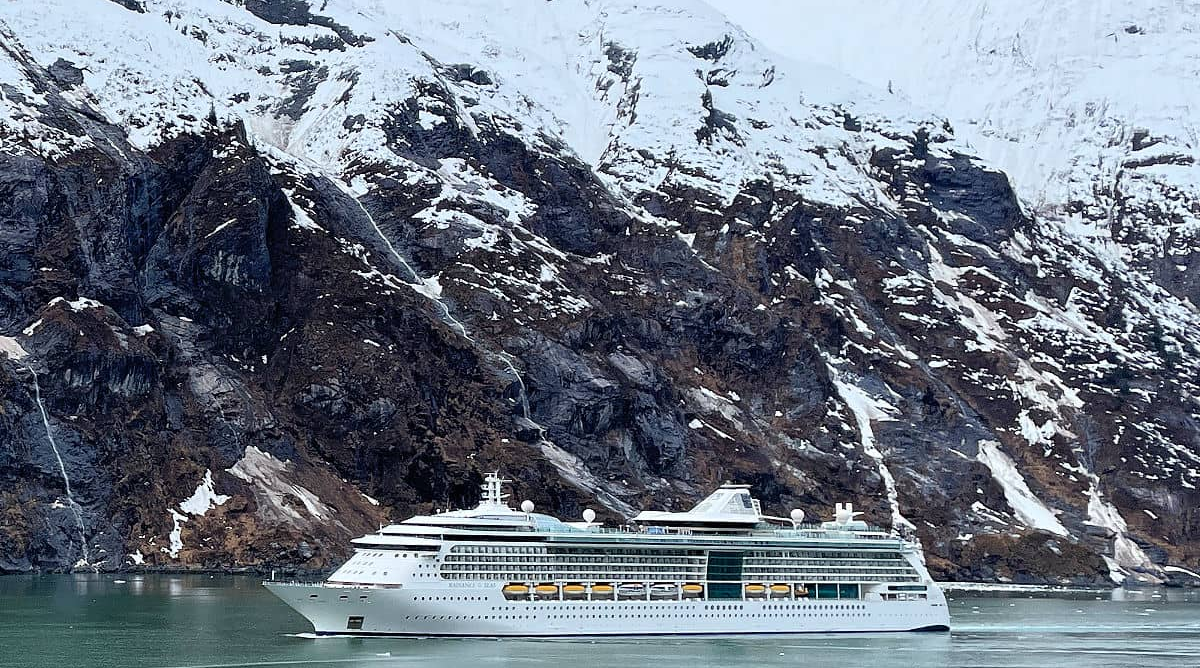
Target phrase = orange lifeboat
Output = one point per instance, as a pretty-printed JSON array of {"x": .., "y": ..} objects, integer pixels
[
  {"x": 515, "y": 591},
  {"x": 574, "y": 591},
  {"x": 602, "y": 591}
]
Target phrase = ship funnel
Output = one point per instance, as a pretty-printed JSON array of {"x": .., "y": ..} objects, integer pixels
[{"x": 844, "y": 513}]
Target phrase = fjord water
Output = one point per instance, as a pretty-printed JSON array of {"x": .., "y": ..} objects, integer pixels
[{"x": 159, "y": 621}]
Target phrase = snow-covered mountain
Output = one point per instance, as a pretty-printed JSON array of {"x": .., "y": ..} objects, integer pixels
[
  {"x": 1089, "y": 107},
  {"x": 273, "y": 270}
]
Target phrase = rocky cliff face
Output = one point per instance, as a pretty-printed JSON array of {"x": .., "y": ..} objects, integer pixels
[{"x": 272, "y": 272}]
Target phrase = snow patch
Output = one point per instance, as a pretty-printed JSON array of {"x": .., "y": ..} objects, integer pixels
[
  {"x": 11, "y": 349},
  {"x": 1127, "y": 556},
  {"x": 204, "y": 498},
  {"x": 220, "y": 227},
  {"x": 176, "y": 537},
  {"x": 77, "y": 304},
  {"x": 300, "y": 218},
  {"x": 574, "y": 470},
  {"x": 1025, "y": 504},
  {"x": 1178, "y": 569},
  {"x": 865, "y": 409},
  {"x": 266, "y": 474},
  {"x": 28, "y": 331}
]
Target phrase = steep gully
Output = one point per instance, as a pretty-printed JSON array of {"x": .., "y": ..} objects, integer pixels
[
  {"x": 568, "y": 465},
  {"x": 84, "y": 560}
]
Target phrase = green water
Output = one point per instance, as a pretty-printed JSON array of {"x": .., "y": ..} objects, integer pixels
[{"x": 161, "y": 621}]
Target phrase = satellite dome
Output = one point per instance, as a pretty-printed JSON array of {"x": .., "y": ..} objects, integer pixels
[{"x": 527, "y": 506}]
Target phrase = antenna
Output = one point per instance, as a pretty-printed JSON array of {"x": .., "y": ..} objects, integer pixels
[{"x": 493, "y": 486}]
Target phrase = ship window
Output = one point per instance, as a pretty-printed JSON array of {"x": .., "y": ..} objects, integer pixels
[{"x": 354, "y": 623}]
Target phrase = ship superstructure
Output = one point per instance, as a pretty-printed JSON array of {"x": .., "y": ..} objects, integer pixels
[{"x": 720, "y": 568}]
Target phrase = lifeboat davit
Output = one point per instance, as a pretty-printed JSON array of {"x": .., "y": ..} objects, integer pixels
[
  {"x": 756, "y": 591},
  {"x": 780, "y": 590},
  {"x": 515, "y": 591},
  {"x": 692, "y": 590},
  {"x": 663, "y": 590},
  {"x": 631, "y": 590}
]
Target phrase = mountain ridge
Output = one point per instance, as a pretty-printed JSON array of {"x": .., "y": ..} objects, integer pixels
[{"x": 374, "y": 262}]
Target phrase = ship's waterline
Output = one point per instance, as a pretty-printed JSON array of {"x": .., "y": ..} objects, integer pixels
[{"x": 721, "y": 568}]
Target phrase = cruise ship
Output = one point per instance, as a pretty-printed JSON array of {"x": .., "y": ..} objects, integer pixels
[{"x": 720, "y": 568}]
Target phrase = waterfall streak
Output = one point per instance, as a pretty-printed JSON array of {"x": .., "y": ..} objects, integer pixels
[
  {"x": 418, "y": 284},
  {"x": 569, "y": 466},
  {"x": 75, "y": 508}
]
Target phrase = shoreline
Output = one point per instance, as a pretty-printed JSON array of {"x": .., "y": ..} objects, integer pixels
[
  {"x": 295, "y": 573},
  {"x": 321, "y": 574}
]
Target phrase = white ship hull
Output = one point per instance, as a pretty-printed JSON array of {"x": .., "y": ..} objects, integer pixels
[
  {"x": 722, "y": 568},
  {"x": 483, "y": 611}
]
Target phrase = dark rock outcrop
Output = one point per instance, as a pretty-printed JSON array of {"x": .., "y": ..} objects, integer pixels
[{"x": 260, "y": 332}]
